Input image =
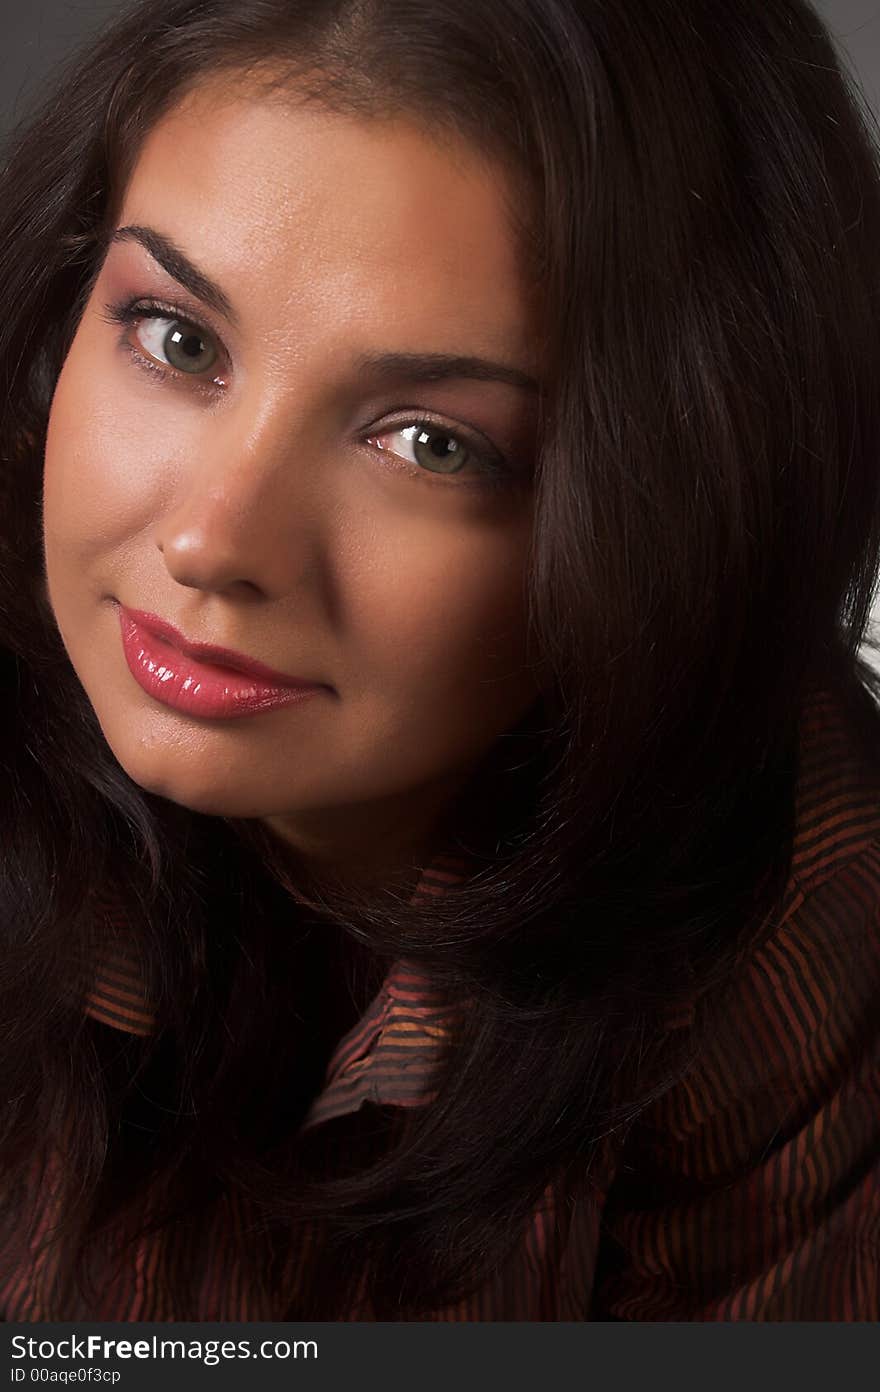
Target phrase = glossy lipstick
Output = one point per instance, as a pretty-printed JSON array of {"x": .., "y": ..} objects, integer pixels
[{"x": 190, "y": 684}]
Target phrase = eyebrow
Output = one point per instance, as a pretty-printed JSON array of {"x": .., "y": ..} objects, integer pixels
[
  {"x": 178, "y": 266},
  {"x": 421, "y": 367}
]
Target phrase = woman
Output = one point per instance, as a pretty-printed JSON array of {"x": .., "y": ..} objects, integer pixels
[{"x": 507, "y": 375}]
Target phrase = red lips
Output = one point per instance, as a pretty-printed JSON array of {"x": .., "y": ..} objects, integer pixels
[
  {"x": 168, "y": 670},
  {"x": 209, "y": 652}
]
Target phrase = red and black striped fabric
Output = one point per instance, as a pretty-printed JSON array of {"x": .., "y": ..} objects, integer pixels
[{"x": 749, "y": 1191}]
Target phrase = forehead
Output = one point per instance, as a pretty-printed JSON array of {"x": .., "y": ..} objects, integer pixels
[{"x": 297, "y": 209}]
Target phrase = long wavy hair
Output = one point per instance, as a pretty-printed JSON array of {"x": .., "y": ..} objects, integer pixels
[{"x": 701, "y": 200}]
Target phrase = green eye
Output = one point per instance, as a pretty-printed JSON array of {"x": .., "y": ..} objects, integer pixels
[
  {"x": 430, "y": 447},
  {"x": 436, "y": 449},
  {"x": 183, "y": 345},
  {"x": 171, "y": 341}
]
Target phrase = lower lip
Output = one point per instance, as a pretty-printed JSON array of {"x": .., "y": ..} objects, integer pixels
[{"x": 197, "y": 688}]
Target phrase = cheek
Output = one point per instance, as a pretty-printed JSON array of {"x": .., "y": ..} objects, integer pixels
[
  {"x": 444, "y": 609},
  {"x": 435, "y": 661},
  {"x": 102, "y": 462}
]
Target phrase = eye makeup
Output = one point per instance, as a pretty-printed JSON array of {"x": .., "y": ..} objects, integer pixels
[{"x": 495, "y": 472}]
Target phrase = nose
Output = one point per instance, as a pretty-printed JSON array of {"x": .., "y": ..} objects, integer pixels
[{"x": 241, "y": 519}]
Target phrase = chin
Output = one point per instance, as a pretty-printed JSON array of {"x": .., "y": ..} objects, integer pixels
[{"x": 216, "y": 801}]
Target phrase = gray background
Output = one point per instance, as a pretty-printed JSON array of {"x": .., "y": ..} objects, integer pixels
[{"x": 34, "y": 34}]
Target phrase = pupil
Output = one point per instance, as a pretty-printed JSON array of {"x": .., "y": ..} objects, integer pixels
[{"x": 192, "y": 346}]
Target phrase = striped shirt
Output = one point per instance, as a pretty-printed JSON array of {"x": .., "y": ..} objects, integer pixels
[{"x": 749, "y": 1191}]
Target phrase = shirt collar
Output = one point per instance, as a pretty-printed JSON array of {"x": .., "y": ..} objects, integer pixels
[{"x": 388, "y": 1056}]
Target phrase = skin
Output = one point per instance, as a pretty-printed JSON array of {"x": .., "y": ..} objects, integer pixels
[{"x": 259, "y": 516}]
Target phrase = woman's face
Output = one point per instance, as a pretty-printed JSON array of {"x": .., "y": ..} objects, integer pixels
[{"x": 256, "y": 482}]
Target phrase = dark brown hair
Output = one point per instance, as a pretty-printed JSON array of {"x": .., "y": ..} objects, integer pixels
[{"x": 701, "y": 194}]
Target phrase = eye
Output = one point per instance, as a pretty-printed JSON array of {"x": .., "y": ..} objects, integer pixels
[
  {"x": 430, "y": 447},
  {"x": 181, "y": 345},
  {"x": 172, "y": 343}
]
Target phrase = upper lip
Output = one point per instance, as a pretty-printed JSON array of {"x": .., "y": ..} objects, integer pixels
[{"x": 210, "y": 652}]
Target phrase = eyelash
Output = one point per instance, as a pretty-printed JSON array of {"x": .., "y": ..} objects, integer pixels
[{"x": 497, "y": 474}]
